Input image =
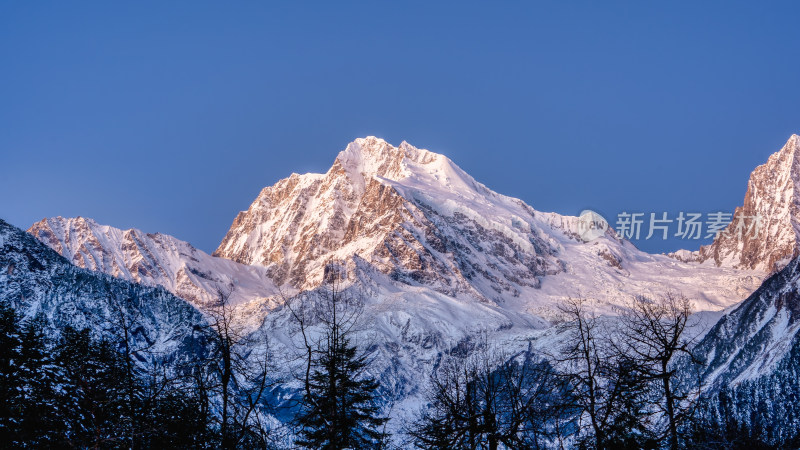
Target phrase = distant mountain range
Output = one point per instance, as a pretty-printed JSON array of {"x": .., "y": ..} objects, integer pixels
[{"x": 440, "y": 258}]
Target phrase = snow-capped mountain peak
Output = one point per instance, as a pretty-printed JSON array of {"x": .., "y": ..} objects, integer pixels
[
  {"x": 373, "y": 157},
  {"x": 410, "y": 215},
  {"x": 375, "y": 201}
]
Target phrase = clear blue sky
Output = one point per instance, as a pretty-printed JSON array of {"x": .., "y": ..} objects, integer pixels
[{"x": 171, "y": 116}]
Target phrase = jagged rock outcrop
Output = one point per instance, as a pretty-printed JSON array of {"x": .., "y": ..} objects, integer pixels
[{"x": 764, "y": 232}]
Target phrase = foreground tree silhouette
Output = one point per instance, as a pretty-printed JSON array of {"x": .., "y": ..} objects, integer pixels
[
  {"x": 94, "y": 388},
  {"x": 338, "y": 407},
  {"x": 236, "y": 371},
  {"x": 10, "y": 377},
  {"x": 653, "y": 336},
  {"x": 604, "y": 382},
  {"x": 28, "y": 377},
  {"x": 622, "y": 372},
  {"x": 40, "y": 424},
  {"x": 487, "y": 400},
  {"x": 158, "y": 408},
  {"x": 74, "y": 392}
]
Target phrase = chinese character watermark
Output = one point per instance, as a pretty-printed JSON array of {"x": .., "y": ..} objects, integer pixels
[{"x": 686, "y": 225}]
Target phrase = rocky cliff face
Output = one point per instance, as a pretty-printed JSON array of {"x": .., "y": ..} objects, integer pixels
[
  {"x": 764, "y": 232},
  {"x": 411, "y": 213},
  {"x": 751, "y": 361},
  {"x": 751, "y": 340}
]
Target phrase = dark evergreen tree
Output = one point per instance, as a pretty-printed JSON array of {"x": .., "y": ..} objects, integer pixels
[
  {"x": 10, "y": 377},
  {"x": 339, "y": 407},
  {"x": 175, "y": 421},
  {"x": 40, "y": 423},
  {"x": 93, "y": 384},
  {"x": 629, "y": 428}
]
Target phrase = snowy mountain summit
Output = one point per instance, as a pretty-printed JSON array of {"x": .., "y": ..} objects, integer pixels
[{"x": 411, "y": 213}]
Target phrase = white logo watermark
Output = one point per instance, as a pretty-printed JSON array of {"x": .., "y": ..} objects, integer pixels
[{"x": 591, "y": 225}]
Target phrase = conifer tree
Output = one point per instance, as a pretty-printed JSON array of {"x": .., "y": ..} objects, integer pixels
[
  {"x": 40, "y": 424},
  {"x": 10, "y": 389},
  {"x": 93, "y": 400},
  {"x": 339, "y": 407}
]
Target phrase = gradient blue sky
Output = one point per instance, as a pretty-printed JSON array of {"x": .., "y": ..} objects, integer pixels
[{"x": 171, "y": 116}]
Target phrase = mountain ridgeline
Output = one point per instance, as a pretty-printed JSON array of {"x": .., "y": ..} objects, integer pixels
[{"x": 442, "y": 266}]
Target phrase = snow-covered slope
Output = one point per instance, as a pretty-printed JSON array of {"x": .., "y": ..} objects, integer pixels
[
  {"x": 773, "y": 197},
  {"x": 752, "y": 362},
  {"x": 155, "y": 260},
  {"x": 418, "y": 218},
  {"x": 439, "y": 258},
  {"x": 749, "y": 341}
]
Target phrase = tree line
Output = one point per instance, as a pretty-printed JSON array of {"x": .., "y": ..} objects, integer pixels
[{"x": 607, "y": 384}]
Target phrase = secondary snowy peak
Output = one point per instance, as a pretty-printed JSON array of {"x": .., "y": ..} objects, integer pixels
[
  {"x": 764, "y": 232},
  {"x": 35, "y": 280},
  {"x": 153, "y": 259},
  {"x": 417, "y": 217}
]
